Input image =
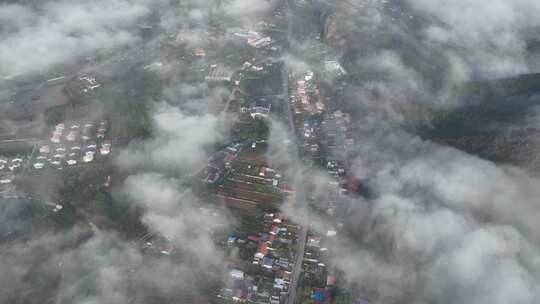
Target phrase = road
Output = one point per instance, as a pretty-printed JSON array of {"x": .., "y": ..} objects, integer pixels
[{"x": 300, "y": 193}]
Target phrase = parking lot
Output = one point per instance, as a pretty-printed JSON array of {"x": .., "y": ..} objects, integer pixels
[{"x": 73, "y": 144}]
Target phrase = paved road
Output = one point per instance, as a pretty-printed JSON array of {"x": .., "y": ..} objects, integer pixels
[{"x": 300, "y": 194}]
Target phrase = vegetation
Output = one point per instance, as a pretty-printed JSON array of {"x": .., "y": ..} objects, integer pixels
[
  {"x": 257, "y": 129},
  {"x": 138, "y": 122}
]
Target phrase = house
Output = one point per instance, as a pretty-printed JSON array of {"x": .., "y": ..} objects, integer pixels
[
  {"x": 314, "y": 241},
  {"x": 230, "y": 240},
  {"x": 278, "y": 218},
  {"x": 262, "y": 250},
  {"x": 253, "y": 238},
  {"x": 237, "y": 274},
  {"x": 167, "y": 248},
  {"x": 319, "y": 295},
  {"x": 261, "y": 108},
  {"x": 199, "y": 52},
  {"x": 219, "y": 75},
  {"x": 273, "y": 229},
  {"x": 237, "y": 295},
  {"x": 287, "y": 276},
  {"x": 267, "y": 262},
  {"x": 330, "y": 280},
  {"x": 331, "y": 233},
  {"x": 278, "y": 283},
  {"x": 283, "y": 263}
]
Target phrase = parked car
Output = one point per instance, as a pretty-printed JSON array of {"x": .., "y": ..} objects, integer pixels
[
  {"x": 59, "y": 155},
  {"x": 41, "y": 158},
  {"x": 88, "y": 156},
  {"x": 39, "y": 166},
  {"x": 57, "y": 162},
  {"x": 91, "y": 146},
  {"x": 6, "y": 179},
  {"x": 15, "y": 164}
]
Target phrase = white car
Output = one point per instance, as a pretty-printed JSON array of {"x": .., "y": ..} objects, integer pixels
[
  {"x": 71, "y": 162},
  {"x": 14, "y": 165},
  {"x": 5, "y": 181},
  {"x": 39, "y": 166},
  {"x": 57, "y": 208},
  {"x": 88, "y": 156}
]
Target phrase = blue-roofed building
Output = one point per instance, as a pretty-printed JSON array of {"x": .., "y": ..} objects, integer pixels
[
  {"x": 319, "y": 295},
  {"x": 260, "y": 108}
]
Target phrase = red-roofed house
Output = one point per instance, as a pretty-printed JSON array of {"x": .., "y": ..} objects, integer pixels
[{"x": 262, "y": 250}]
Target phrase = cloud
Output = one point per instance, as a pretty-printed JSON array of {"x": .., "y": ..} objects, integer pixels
[
  {"x": 443, "y": 227},
  {"x": 40, "y": 36},
  {"x": 180, "y": 143},
  {"x": 490, "y": 38},
  {"x": 174, "y": 211}
]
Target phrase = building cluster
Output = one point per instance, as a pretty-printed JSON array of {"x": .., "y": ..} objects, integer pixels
[
  {"x": 82, "y": 86},
  {"x": 306, "y": 98},
  {"x": 10, "y": 167},
  {"x": 218, "y": 74},
  {"x": 319, "y": 278},
  {"x": 248, "y": 182},
  {"x": 271, "y": 265},
  {"x": 260, "y": 108},
  {"x": 326, "y": 138},
  {"x": 338, "y": 144},
  {"x": 255, "y": 39},
  {"x": 308, "y": 106},
  {"x": 155, "y": 244},
  {"x": 77, "y": 144},
  {"x": 333, "y": 69},
  {"x": 219, "y": 163}
]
